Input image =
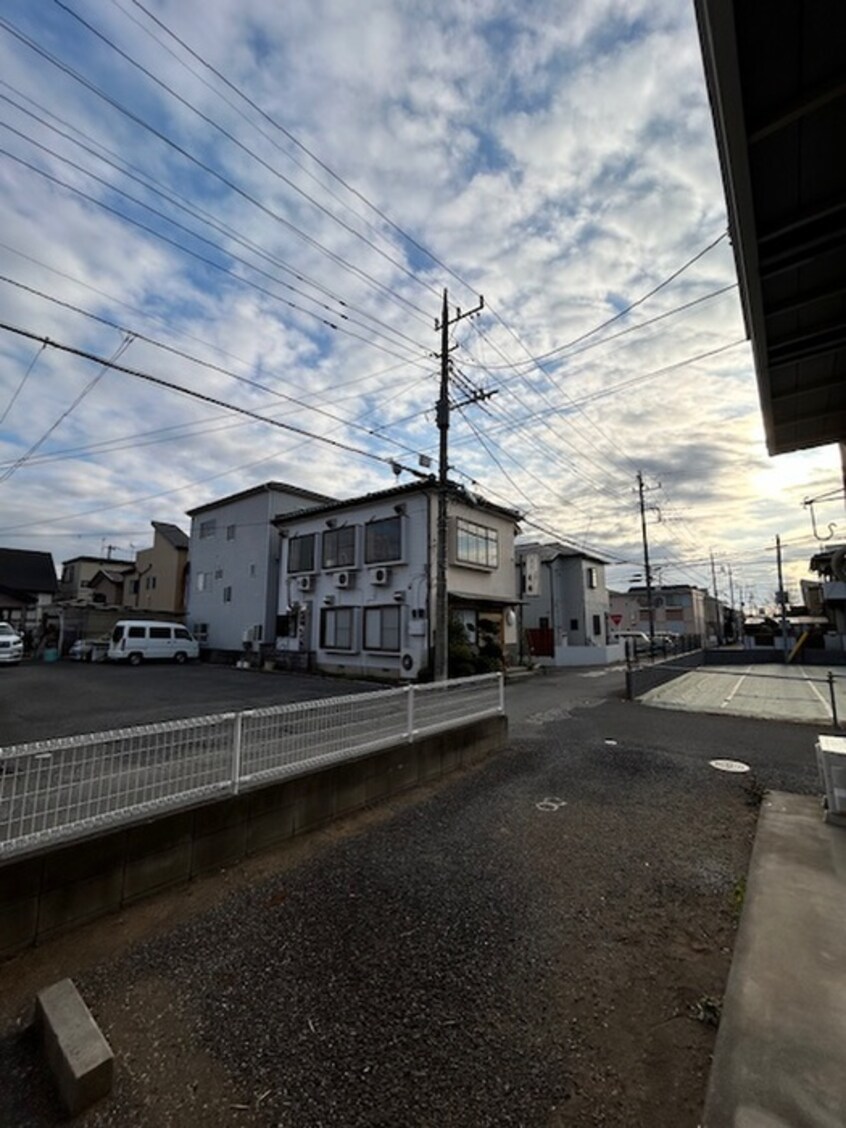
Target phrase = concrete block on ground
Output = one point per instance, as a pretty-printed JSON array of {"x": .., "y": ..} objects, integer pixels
[{"x": 78, "y": 1054}]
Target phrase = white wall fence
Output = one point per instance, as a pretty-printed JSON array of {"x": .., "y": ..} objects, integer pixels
[{"x": 55, "y": 791}]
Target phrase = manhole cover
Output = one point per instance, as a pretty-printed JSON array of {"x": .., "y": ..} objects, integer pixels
[{"x": 729, "y": 765}]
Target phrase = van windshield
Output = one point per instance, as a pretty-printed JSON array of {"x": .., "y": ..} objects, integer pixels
[{"x": 117, "y": 634}]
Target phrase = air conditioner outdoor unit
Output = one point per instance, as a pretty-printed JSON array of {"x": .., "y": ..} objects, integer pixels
[
  {"x": 305, "y": 583},
  {"x": 380, "y": 576},
  {"x": 409, "y": 665},
  {"x": 344, "y": 579}
]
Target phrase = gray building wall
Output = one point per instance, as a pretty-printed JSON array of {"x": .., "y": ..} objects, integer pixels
[
  {"x": 567, "y": 602},
  {"x": 234, "y": 577}
]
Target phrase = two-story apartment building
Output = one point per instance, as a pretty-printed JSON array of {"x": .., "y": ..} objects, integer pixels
[
  {"x": 358, "y": 577},
  {"x": 565, "y": 605},
  {"x": 234, "y": 574},
  {"x": 677, "y": 609}
]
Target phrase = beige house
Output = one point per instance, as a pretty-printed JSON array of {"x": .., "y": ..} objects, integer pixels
[
  {"x": 78, "y": 573},
  {"x": 678, "y": 609},
  {"x": 158, "y": 580}
]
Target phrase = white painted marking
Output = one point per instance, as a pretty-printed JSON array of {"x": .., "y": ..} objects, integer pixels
[
  {"x": 613, "y": 742},
  {"x": 552, "y": 804},
  {"x": 825, "y": 704},
  {"x": 728, "y": 765},
  {"x": 737, "y": 686}
]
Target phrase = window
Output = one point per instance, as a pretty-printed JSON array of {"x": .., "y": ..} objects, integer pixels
[
  {"x": 150, "y": 583},
  {"x": 336, "y": 628},
  {"x": 201, "y": 632},
  {"x": 180, "y": 632},
  {"x": 383, "y": 541},
  {"x": 68, "y": 573},
  {"x": 161, "y": 632},
  {"x": 286, "y": 625},
  {"x": 476, "y": 544},
  {"x": 203, "y": 581},
  {"x": 227, "y": 595},
  {"x": 135, "y": 586},
  {"x": 252, "y": 569},
  {"x": 339, "y": 547},
  {"x": 591, "y": 577},
  {"x": 208, "y": 529},
  {"x": 382, "y": 628},
  {"x": 136, "y": 632},
  {"x": 230, "y": 532},
  {"x": 574, "y": 624},
  {"x": 544, "y": 623},
  {"x": 218, "y": 573},
  {"x": 301, "y": 554},
  {"x": 597, "y": 625}
]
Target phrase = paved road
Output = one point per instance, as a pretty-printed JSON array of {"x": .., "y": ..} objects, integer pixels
[
  {"x": 39, "y": 701},
  {"x": 772, "y": 692},
  {"x": 520, "y": 946}
]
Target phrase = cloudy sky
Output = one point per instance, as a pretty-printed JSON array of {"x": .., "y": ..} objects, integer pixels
[{"x": 261, "y": 203}]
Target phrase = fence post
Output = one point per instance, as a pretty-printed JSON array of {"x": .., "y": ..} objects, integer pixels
[
  {"x": 236, "y": 752},
  {"x": 501, "y": 677},
  {"x": 833, "y": 700},
  {"x": 409, "y": 689}
]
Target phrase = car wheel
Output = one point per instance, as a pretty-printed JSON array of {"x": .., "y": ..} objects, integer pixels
[
  {"x": 180, "y": 658},
  {"x": 135, "y": 658}
]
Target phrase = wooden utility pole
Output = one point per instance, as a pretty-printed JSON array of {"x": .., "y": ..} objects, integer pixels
[
  {"x": 442, "y": 415},
  {"x": 646, "y": 568}
]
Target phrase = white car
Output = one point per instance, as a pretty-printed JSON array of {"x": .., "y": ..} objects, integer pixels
[{"x": 11, "y": 645}]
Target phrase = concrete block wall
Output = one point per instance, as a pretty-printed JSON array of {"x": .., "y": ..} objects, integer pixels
[
  {"x": 640, "y": 679},
  {"x": 44, "y": 895}
]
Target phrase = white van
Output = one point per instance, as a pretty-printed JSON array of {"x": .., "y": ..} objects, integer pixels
[{"x": 134, "y": 640}]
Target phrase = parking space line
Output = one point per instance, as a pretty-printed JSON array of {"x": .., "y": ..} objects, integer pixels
[
  {"x": 825, "y": 704},
  {"x": 737, "y": 686}
]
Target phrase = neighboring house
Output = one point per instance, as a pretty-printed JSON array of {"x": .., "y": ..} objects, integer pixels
[
  {"x": 78, "y": 572},
  {"x": 565, "y": 605},
  {"x": 234, "y": 575},
  {"x": 107, "y": 587},
  {"x": 27, "y": 586},
  {"x": 677, "y": 609},
  {"x": 358, "y": 578},
  {"x": 159, "y": 578}
]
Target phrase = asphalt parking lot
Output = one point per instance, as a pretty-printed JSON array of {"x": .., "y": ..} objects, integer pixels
[{"x": 39, "y": 701}]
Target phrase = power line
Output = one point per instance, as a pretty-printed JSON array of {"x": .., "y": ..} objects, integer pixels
[{"x": 20, "y": 386}]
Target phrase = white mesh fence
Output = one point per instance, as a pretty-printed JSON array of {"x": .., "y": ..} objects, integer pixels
[{"x": 59, "y": 790}]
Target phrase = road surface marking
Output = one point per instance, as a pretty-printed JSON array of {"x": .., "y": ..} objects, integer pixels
[
  {"x": 737, "y": 686},
  {"x": 825, "y": 704}
]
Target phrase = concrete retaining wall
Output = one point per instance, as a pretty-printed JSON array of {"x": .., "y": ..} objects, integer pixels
[
  {"x": 52, "y": 892},
  {"x": 640, "y": 679}
]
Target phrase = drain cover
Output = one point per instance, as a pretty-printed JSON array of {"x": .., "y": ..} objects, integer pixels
[{"x": 729, "y": 765}]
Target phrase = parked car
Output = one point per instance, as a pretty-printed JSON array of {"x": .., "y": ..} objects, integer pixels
[
  {"x": 11, "y": 645},
  {"x": 136, "y": 640},
  {"x": 634, "y": 640},
  {"x": 90, "y": 649}
]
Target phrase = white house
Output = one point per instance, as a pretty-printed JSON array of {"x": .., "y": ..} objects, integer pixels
[
  {"x": 357, "y": 579},
  {"x": 234, "y": 564},
  {"x": 565, "y": 605}
]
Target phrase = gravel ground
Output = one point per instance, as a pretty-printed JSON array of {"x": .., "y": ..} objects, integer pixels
[{"x": 533, "y": 942}]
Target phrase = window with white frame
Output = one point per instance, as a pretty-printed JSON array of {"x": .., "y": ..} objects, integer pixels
[
  {"x": 208, "y": 528},
  {"x": 337, "y": 628},
  {"x": 230, "y": 532},
  {"x": 591, "y": 577},
  {"x": 203, "y": 581},
  {"x": 383, "y": 540},
  {"x": 227, "y": 595},
  {"x": 382, "y": 628},
  {"x": 476, "y": 544},
  {"x": 339, "y": 547},
  {"x": 301, "y": 553}
]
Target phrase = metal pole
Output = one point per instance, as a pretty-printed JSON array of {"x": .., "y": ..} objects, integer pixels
[
  {"x": 834, "y": 719},
  {"x": 649, "y": 607},
  {"x": 782, "y": 598},
  {"x": 441, "y": 606}
]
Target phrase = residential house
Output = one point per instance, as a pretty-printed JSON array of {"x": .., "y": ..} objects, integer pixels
[
  {"x": 677, "y": 609},
  {"x": 565, "y": 605},
  {"x": 358, "y": 580},
  {"x": 107, "y": 587},
  {"x": 27, "y": 586},
  {"x": 79, "y": 571},
  {"x": 234, "y": 575},
  {"x": 158, "y": 582}
]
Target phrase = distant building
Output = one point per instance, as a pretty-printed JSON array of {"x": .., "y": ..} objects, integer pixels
[
  {"x": 27, "y": 586},
  {"x": 79, "y": 571},
  {"x": 234, "y": 572},
  {"x": 564, "y": 606},
  {"x": 158, "y": 581},
  {"x": 680, "y": 609}
]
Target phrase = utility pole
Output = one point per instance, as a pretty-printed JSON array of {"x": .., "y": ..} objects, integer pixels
[
  {"x": 646, "y": 569},
  {"x": 781, "y": 596},
  {"x": 731, "y": 605},
  {"x": 718, "y": 623},
  {"x": 442, "y": 416}
]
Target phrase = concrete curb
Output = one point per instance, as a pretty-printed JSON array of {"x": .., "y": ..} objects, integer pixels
[{"x": 78, "y": 1054}]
